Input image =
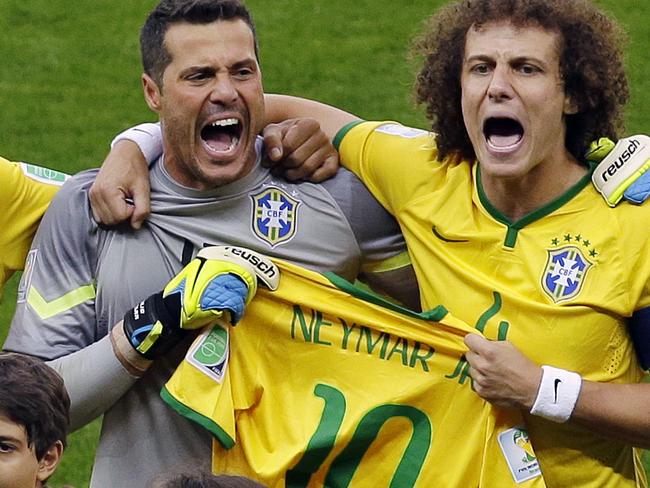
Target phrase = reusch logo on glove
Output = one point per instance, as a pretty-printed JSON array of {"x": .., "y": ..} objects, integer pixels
[
  {"x": 622, "y": 159},
  {"x": 621, "y": 167},
  {"x": 263, "y": 265}
]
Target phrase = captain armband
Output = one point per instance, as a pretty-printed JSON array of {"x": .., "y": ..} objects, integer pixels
[
  {"x": 557, "y": 395},
  {"x": 639, "y": 327}
]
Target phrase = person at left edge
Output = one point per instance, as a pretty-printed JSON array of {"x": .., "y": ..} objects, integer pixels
[
  {"x": 27, "y": 191},
  {"x": 207, "y": 188},
  {"x": 34, "y": 407}
]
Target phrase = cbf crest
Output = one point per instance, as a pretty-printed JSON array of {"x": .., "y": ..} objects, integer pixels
[
  {"x": 275, "y": 216},
  {"x": 565, "y": 272}
]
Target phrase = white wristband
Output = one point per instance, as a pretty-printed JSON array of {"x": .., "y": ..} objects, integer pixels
[
  {"x": 147, "y": 136},
  {"x": 557, "y": 395}
]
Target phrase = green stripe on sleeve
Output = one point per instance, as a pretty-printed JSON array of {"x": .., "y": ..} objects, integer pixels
[
  {"x": 343, "y": 131},
  {"x": 46, "y": 309},
  {"x": 225, "y": 440}
]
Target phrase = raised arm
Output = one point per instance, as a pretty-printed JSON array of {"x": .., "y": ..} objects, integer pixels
[
  {"x": 121, "y": 190},
  {"x": 295, "y": 139},
  {"x": 282, "y": 107}
]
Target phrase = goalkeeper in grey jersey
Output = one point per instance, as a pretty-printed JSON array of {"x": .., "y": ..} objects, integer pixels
[{"x": 203, "y": 79}]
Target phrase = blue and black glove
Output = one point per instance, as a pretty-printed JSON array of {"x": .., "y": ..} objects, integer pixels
[{"x": 215, "y": 286}]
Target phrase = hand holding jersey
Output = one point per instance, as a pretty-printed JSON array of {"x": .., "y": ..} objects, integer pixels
[
  {"x": 622, "y": 171},
  {"x": 504, "y": 376},
  {"x": 215, "y": 286},
  {"x": 301, "y": 149}
]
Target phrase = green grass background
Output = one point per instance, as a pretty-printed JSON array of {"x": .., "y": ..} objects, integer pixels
[{"x": 70, "y": 81}]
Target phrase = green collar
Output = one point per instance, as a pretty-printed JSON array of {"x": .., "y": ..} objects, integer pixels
[{"x": 552, "y": 206}]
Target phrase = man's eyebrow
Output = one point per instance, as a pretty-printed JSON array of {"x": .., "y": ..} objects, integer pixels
[
  {"x": 199, "y": 68},
  {"x": 244, "y": 62},
  {"x": 479, "y": 57},
  {"x": 516, "y": 60},
  {"x": 5, "y": 438}
]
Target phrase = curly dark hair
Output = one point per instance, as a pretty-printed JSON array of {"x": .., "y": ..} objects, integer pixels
[
  {"x": 591, "y": 66},
  {"x": 33, "y": 395}
]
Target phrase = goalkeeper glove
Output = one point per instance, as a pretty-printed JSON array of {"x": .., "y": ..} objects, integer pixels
[
  {"x": 217, "y": 284},
  {"x": 622, "y": 171}
]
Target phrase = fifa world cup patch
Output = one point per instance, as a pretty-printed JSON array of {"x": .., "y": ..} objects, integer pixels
[
  {"x": 518, "y": 452},
  {"x": 44, "y": 175},
  {"x": 275, "y": 216},
  {"x": 567, "y": 266},
  {"x": 401, "y": 131},
  {"x": 210, "y": 352}
]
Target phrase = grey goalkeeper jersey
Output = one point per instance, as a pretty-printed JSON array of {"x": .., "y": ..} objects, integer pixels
[{"x": 80, "y": 279}]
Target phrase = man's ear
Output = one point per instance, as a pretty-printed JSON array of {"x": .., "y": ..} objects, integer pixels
[
  {"x": 152, "y": 93},
  {"x": 49, "y": 462},
  {"x": 570, "y": 106}
]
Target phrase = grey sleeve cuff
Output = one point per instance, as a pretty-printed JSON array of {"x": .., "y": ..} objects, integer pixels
[{"x": 95, "y": 380}]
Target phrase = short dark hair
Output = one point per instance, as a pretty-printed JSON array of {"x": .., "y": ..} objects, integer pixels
[
  {"x": 155, "y": 57},
  {"x": 591, "y": 66},
  {"x": 203, "y": 479},
  {"x": 33, "y": 395}
]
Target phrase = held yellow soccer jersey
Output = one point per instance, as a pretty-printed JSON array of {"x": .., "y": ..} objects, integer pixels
[
  {"x": 560, "y": 283},
  {"x": 317, "y": 388},
  {"x": 27, "y": 191}
]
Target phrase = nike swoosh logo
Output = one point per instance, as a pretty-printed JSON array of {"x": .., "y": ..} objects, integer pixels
[
  {"x": 443, "y": 238},
  {"x": 557, "y": 382}
]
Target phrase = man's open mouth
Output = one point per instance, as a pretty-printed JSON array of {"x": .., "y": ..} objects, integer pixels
[
  {"x": 502, "y": 132},
  {"x": 222, "y": 135}
]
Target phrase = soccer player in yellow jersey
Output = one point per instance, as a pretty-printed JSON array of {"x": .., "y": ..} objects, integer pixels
[
  {"x": 504, "y": 227},
  {"x": 27, "y": 191}
]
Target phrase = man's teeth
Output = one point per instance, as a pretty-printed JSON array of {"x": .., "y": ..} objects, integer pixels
[
  {"x": 231, "y": 145},
  {"x": 224, "y": 122},
  {"x": 503, "y": 142}
]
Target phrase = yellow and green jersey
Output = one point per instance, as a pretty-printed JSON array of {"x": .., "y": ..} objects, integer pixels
[
  {"x": 323, "y": 384},
  {"x": 27, "y": 191},
  {"x": 561, "y": 283}
]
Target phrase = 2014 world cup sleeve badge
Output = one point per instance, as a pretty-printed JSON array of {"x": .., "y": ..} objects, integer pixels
[
  {"x": 275, "y": 216},
  {"x": 519, "y": 455},
  {"x": 565, "y": 272}
]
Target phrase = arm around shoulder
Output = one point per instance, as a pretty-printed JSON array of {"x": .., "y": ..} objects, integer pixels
[
  {"x": 121, "y": 189},
  {"x": 282, "y": 107}
]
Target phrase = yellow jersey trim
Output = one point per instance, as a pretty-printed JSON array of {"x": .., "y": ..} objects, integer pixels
[{"x": 390, "y": 264}]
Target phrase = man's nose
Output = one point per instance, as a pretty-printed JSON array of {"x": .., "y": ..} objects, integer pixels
[
  {"x": 223, "y": 91},
  {"x": 500, "y": 84}
]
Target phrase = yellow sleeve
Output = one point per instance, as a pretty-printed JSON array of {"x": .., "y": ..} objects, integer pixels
[
  {"x": 381, "y": 154},
  {"x": 28, "y": 190},
  {"x": 200, "y": 389}
]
